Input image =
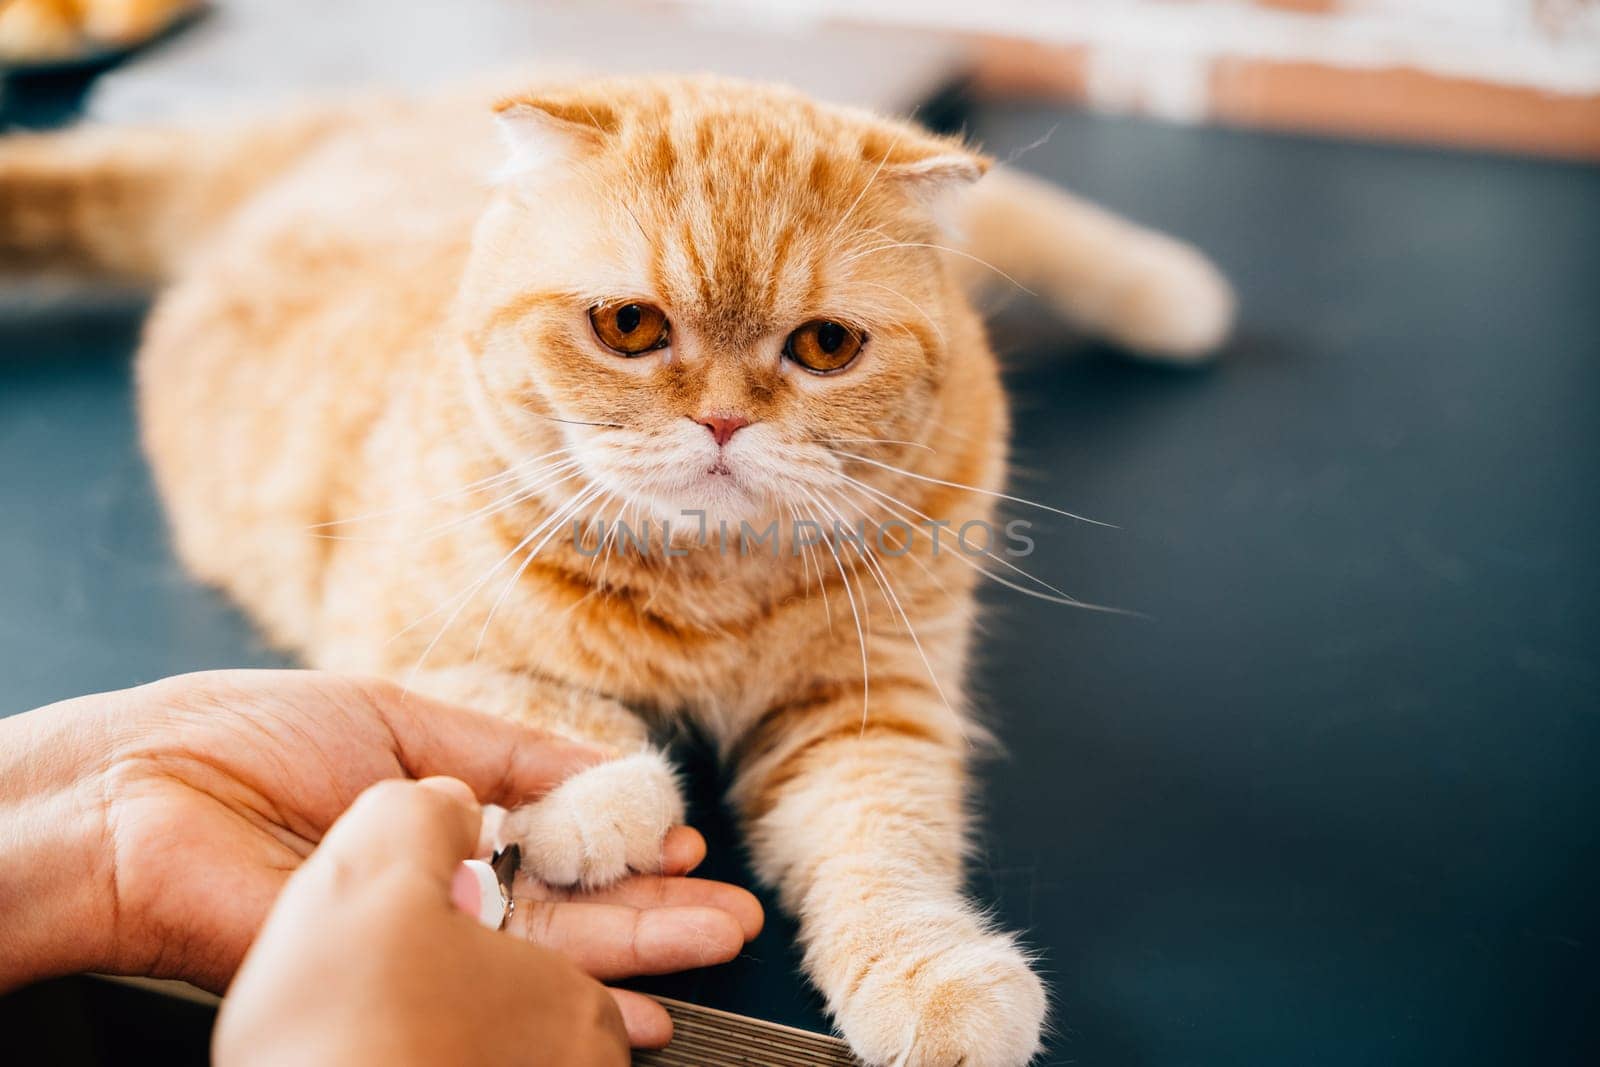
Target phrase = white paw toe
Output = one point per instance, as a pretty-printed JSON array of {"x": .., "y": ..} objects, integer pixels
[{"x": 600, "y": 824}]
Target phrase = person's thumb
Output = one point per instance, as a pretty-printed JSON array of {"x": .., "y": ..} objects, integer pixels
[{"x": 428, "y": 826}]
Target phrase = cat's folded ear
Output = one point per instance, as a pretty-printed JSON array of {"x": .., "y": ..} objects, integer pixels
[
  {"x": 935, "y": 175},
  {"x": 541, "y": 131},
  {"x": 934, "y": 172},
  {"x": 931, "y": 169}
]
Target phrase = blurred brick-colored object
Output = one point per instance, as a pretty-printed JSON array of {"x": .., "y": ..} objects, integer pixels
[
  {"x": 1509, "y": 75},
  {"x": 1405, "y": 104},
  {"x": 1514, "y": 75}
]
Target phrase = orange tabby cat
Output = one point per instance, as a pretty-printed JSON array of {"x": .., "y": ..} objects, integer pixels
[{"x": 396, "y": 363}]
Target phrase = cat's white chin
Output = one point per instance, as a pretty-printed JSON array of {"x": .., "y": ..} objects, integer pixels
[
  {"x": 698, "y": 506},
  {"x": 723, "y": 494}
]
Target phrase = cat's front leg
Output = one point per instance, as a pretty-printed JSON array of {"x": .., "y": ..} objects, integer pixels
[
  {"x": 603, "y": 822},
  {"x": 859, "y": 821}
]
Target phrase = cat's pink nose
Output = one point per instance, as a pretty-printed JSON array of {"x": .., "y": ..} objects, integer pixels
[{"x": 723, "y": 427}]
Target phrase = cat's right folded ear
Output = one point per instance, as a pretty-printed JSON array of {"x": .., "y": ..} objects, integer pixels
[{"x": 542, "y": 131}]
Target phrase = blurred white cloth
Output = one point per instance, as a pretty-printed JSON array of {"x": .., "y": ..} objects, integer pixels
[{"x": 249, "y": 53}]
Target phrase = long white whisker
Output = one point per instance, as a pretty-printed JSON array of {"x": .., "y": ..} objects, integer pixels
[
  {"x": 863, "y": 193},
  {"x": 554, "y": 522},
  {"x": 607, "y": 542},
  {"x": 534, "y": 482},
  {"x": 1059, "y": 597},
  {"x": 613, "y": 537},
  {"x": 910, "y": 545},
  {"x": 626, "y": 508},
  {"x": 942, "y": 248},
  {"x": 937, "y": 329},
  {"x": 973, "y": 489},
  {"x": 507, "y": 474},
  {"x": 467, "y": 594},
  {"x": 861, "y": 634},
  {"x": 874, "y": 441},
  {"x": 494, "y": 507},
  {"x": 875, "y": 567},
  {"x": 809, "y": 560}
]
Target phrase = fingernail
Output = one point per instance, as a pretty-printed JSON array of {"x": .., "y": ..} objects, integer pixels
[
  {"x": 475, "y": 890},
  {"x": 491, "y": 835}
]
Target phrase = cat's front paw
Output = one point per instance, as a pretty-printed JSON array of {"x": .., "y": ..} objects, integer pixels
[
  {"x": 945, "y": 994},
  {"x": 601, "y": 823}
]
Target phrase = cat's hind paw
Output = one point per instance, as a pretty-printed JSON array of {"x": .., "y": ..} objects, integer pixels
[{"x": 601, "y": 823}]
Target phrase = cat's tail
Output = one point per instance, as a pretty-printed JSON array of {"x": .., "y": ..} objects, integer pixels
[
  {"x": 130, "y": 202},
  {"x": 1144, "y": 290}
]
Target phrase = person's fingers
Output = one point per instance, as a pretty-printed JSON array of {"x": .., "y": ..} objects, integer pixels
[
  {"x": 647, "y": 1023},
  {"x": 682, "y": 851},
  {"x": 431, "y": 825},
  {"x": 504, "y": 762},
  {"x": 614, "y": 941},
  {"x": 659, "y": 891}
]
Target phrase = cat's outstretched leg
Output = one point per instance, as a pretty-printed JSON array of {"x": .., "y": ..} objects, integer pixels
[
  {"x": 859, "y": 821},
  {"x": 130, "y": 202},
  {"x": 601, "y": 823}
]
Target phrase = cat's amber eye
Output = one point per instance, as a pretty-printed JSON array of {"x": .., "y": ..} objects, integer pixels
[
  {"x": 630, "y": 328},
  {"x": 824, "y": 346}
]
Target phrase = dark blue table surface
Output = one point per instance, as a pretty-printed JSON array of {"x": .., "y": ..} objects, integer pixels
[{"x": 1334, "y": 800}]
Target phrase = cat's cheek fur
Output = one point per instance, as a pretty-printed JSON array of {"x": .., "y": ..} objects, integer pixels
[{"x": 600, "y": 824}]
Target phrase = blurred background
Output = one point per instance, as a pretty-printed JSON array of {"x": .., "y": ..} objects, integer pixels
[
  {"x": 1331, "y": 799},
  {"x": 1512, "y": 75}
]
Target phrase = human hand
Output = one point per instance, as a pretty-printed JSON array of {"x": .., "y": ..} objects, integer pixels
[
  {"x": 149, "y": 831},
  {"x": 366, "y": 960}
]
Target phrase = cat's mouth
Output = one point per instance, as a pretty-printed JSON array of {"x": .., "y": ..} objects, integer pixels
[{"x": 724, "y": 487}]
